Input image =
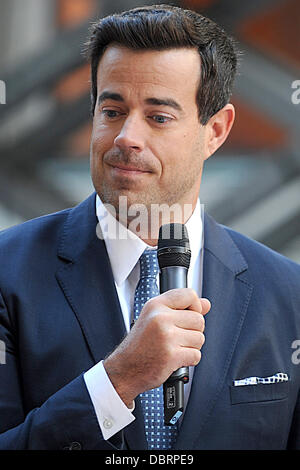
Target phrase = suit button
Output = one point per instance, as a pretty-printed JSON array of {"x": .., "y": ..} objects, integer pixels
[{"x": 75, "y": 446}]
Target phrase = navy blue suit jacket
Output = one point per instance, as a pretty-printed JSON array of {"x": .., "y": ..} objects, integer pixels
[{"x": 60, "y": 314}]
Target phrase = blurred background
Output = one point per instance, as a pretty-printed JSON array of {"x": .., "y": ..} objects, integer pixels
[{"x": 251, "y": 184}]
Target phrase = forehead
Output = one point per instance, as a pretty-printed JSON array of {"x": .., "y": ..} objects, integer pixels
[{"x": 168, "y": 70}]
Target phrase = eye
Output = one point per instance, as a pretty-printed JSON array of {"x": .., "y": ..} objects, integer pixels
[
  {"x": 110, "y": 113},
  {"x": 161, "y": 119}
]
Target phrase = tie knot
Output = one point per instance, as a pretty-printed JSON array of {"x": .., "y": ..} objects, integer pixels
[{"x": 149, "y": 264}]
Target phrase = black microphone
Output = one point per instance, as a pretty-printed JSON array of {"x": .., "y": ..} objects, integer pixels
[{"x": 174, "y": 255}]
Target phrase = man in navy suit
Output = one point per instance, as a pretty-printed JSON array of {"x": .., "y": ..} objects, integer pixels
[{"x": 74, "y": 368}]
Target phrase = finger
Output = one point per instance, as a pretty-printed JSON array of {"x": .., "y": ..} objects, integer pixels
[
  {"x": 206, "y": 306},
  {"x": 191, "y": 339},
  {"x": 190, "y": 357},
  {"x": 189, "y": 320},
  {"x": 181, "y": 299}
]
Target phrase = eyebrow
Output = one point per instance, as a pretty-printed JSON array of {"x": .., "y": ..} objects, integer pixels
[
  {"x": 164, "y": 102},
  {"x": 107, "y": 95}
]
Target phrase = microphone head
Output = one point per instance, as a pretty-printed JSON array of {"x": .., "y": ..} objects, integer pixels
[{"x": 173, "y": 246}]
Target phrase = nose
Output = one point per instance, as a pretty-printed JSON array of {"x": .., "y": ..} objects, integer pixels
[{"x": 131, "y": 135}]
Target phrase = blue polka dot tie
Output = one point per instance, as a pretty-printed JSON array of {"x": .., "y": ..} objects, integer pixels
[{"x": 158, "y": 435}]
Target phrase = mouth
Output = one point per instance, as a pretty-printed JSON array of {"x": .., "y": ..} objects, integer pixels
[{"x": 127, "y": 170}]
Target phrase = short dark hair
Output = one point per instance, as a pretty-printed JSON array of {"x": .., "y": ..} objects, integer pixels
[{"x": 161, "y": 27}]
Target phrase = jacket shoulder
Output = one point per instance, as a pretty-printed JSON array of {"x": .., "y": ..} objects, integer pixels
[
  {"x": 260, "y": 257},
  {"x": 30, "y": 242},
  {"x": 33, "y": 228}
]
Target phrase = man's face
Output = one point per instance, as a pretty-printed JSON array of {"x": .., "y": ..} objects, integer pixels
[{"x": 147, "y": 142}]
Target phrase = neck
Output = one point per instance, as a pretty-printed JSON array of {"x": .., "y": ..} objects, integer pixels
[
  {"x": 145, "y": 222},
  {"x": 147, "y": 225}
]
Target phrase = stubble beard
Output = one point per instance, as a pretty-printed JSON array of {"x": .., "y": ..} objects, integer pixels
[
  {"x": 149, "y": 201},
  {"x": 153, "y": 207}
]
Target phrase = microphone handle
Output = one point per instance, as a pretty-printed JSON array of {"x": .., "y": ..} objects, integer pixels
[{"x": 173, "y": 277}]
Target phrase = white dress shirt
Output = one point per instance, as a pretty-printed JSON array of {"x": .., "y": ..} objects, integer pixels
[{"x": 124, "y": 249}]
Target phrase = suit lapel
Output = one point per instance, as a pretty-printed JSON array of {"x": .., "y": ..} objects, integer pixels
[
  {"x": 87, "y": 282},
  {"x": 229, "y": 296}
]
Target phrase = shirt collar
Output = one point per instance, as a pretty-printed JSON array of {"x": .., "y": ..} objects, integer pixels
[{"x": 124, "y": 248}]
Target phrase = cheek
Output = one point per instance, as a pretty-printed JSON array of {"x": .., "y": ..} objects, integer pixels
[
  {"x": 101, "y": 140},
  {"x": 184, "y": 160},
  {"x": 97, "y": 150},
  {"x": 171, "y": 152},
  {"x": 102, "y": 134}
]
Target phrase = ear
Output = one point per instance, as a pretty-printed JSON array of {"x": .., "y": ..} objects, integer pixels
[{"x": 218, "y": 128}]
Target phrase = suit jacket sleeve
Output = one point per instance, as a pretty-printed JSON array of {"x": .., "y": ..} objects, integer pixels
[{"x": 65, "y": 418}]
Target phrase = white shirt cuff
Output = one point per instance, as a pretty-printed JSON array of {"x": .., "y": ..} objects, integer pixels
[{"x": 112, "y": 413}]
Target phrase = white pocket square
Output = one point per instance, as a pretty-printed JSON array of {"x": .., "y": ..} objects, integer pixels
[{"x": 279, "y": 377}]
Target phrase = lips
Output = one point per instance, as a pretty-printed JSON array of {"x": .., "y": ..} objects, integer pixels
[{"x": 127, "y": 169}]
